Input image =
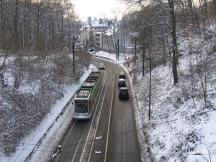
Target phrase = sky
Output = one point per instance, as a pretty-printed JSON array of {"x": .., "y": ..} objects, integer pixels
[{"x": 99, "y": 8}]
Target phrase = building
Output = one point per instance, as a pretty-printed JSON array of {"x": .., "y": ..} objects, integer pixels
[
  {"x": 91, "y": 35},
  {"x": 103, "y": 37}
]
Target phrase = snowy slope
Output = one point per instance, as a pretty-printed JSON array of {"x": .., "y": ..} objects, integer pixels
[
  {"x": 49, "y": 144},
  {"x": 182, "y": 125}
]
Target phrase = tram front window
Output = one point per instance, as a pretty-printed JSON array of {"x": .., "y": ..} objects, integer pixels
[{"x": 81, "y": 107}]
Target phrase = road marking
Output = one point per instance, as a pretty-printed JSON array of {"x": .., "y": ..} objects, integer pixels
[
  {"x": 76, "y": 150},
  {"x": 98, "y": 152},
  {"x": 97, "y": 138},
  {"x": 87, "y": 139},
  {"x": 63, "y": 144},
  {"x": 107, "y": 140},
  {"x": 74, "y": 155},
  {"x": 97, "y": 123}
]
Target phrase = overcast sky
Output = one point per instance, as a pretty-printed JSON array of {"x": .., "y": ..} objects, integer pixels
[{"x": 98, "y": 8}]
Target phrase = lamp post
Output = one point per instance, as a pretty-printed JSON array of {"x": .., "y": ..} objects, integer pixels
[
  {"x": 73, "y": 51},
  {"x": 135, "y": 36},
  {"x": 118, "y": 49},
  {"x": 150, "y": 62},
  {"x": 143, "y": 61}
]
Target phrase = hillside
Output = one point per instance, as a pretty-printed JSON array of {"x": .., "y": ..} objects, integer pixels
[
  {"x": 182, "y": 123},
  {"x": 30, "y": 86}
]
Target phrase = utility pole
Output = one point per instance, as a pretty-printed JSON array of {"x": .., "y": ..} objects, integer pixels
[
  {"x": 69, "y": 37},
  {"x": 116, "y": 51},
  {"x": 102, "y": 43},
  {"x": 124, "y": 45},
  {"x": 149, "y": 59},
  {"x": 135, "y": 48},
  {"x": 118, "y": 48},
  {"x": 73, "y": 50},
  {"x": 150, "y": 90},
  {"x": 143, "y": 63}
]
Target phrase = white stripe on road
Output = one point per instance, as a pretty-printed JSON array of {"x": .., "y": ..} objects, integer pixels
[
  {"x": 111, "y": 106},
  {"x": 90, "y": 128}
]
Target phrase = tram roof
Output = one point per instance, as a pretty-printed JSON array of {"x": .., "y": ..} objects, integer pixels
[
  {"x": 88, "y": 84},
  {"x": 94, "y": 74},
  {"x": 82, "y": 94}
]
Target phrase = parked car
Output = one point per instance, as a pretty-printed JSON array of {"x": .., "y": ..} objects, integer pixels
[
  {"x": 122, "y": 75},
  {"x": 123, "y": 93},
  {"x": 102, "y": 66},
  {"x": 121, "y": 83},
  {"x": 91, "y": 51}
]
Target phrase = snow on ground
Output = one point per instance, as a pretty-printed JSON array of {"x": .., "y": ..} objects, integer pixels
[
  {"x": 27, "y": 144},
  {"x": 126, "y": 62},
  {"x": 180, "y": 129},
  {"x": 112, "y": 56}
]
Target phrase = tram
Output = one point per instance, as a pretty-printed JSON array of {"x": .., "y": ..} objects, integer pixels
[{"x": 85, "y": 97}]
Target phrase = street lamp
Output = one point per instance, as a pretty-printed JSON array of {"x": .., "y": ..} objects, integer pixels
[
  {"x": 73, "y": 51},
  {"x": 135, "y": 36},
  {"x": 150, "y": 62}
]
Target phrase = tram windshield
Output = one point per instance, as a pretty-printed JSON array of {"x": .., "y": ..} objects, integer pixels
[{"x": 81, "y": 106}]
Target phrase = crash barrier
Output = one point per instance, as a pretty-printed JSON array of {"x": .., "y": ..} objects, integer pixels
[{"x": 45, "y": 134}]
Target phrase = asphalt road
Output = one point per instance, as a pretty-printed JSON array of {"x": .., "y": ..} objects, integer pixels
[{"x": 110, "y": 134}]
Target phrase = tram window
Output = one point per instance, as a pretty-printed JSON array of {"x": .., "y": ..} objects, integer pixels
[{"x": 81, "y": 107}]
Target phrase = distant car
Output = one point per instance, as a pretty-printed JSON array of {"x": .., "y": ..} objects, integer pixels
[
  {"x": 123, "y": 93},
  {"x": 121, "y": 83},
  {"x": 102, "y": 66},
  {"x": 122, "y": 75},
  {"x": 91, "y": 51}
]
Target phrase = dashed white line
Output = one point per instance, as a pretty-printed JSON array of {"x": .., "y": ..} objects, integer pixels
[
  {"x": 105, "y": 154},
  {"x": 90, "y": 128}
]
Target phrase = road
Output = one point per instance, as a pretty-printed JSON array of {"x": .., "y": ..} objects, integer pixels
[{"x": 110, "y": 135}]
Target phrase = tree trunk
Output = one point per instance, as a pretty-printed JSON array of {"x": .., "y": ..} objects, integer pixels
[
  {"x": 62, "y": 29},
  {"x": 16, "y": 40},
  {"x": 174, "y": 42},
  {"x": 38, "y": 26},
  {"x": 214, "y": 6},
  {"x": 190, "y": 6},
  {"x": 2, "y": 25}
]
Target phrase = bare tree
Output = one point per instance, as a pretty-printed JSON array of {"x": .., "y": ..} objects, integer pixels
[{"x": 174, "y": 41}]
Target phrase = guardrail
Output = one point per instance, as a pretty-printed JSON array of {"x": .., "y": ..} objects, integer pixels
[{"x": 45, "y": 134}]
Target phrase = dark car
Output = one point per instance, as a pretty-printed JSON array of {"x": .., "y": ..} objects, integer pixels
[
  {"x": 123, "y": 93},
  {"x": 122, "y": 75},
  {"x": 121, "y": 83},
  {"x": 91, "y": 51}
]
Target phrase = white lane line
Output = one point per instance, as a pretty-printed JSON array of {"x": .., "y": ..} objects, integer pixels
[
  {"x": 74, "y": 155},
  {"x": 107, "y": 140},
  {"x": 76, "y": 150},
  {"x": 97, "y": 123},
  {"x": 97, "y": 138},
  {"x": 64, "y": 142},
  {"x": 98, "y": 152},
  {"x": 90, "y": 128}
]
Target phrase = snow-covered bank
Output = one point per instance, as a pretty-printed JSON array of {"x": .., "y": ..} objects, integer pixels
[
  {"x": 26, "y": 145},
  {"x": 126, "y": 62},
  {"x": 182, "y": 125}
]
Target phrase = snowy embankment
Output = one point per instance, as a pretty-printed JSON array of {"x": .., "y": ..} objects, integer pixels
[
  {"x": 51, "y": 139},
  {"x": 182, "y": 124},
  {"x": 126, "y": 62}
]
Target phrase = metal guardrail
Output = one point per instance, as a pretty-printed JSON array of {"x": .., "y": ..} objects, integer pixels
[{"x": 45, "y": 134}]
